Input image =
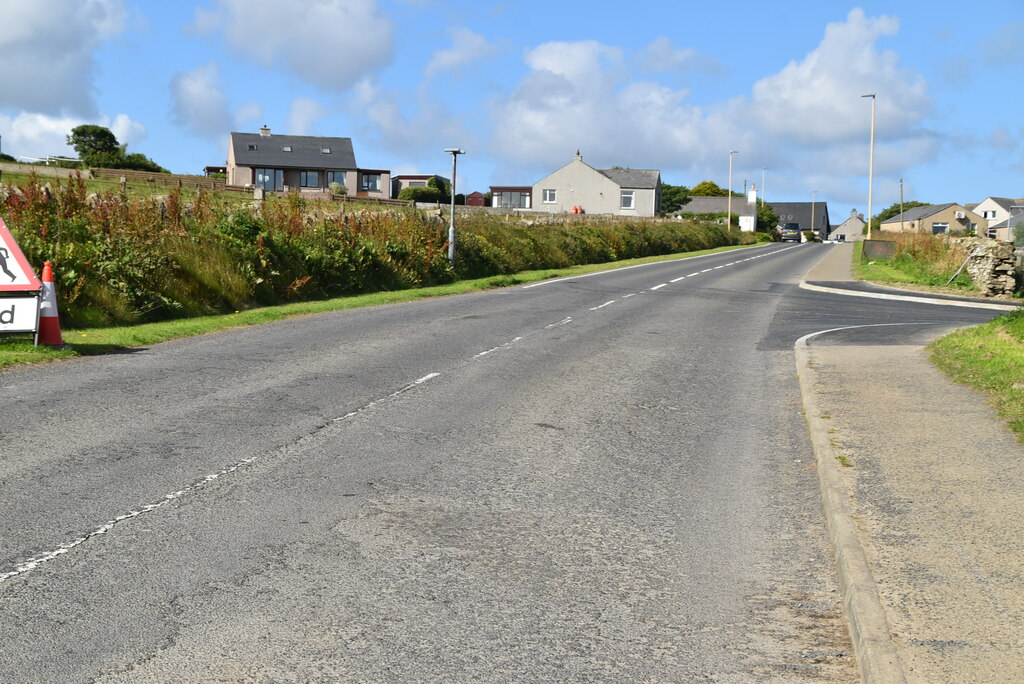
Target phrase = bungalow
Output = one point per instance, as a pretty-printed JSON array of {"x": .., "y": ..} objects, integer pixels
[
  {"x": 580, "y": 187},
  {"x": 934, "y": 218},
  {"x": 745, "y": 209},
  {"x": 279, "y": 163}
]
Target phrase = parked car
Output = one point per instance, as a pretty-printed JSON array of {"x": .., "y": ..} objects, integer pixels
[{"x": 790, "y": 232}]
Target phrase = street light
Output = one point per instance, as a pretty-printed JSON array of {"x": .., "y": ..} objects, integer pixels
[
  {"x": 455, "y": 152},
  {"x": 728, "y": 218},
  {"x": 871, "y": 160}
]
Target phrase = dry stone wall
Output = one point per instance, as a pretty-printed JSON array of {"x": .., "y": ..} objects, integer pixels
[{"x": 992, "y": 266}]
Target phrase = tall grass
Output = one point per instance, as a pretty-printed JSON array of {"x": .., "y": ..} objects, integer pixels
[
  {"x": 922, "y": 259},
  {"x": 123, "y": 259}
]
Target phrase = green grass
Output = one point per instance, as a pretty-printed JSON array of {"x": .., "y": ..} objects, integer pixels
[
  {"x": 989, "y": 358},
  {"x": 18, "y": 350}
]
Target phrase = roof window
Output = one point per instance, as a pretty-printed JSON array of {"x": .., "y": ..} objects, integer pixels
[
  {"x": 252, "y": 147},
  {"x": 286, "y": 148},
  {"x": 325, "y": 150}
]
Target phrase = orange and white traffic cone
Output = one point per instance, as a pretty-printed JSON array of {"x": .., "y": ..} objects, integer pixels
[{"x": 49, "y": 321}]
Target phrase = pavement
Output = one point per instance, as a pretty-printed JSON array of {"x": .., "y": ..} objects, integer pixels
[{"x": 923, "y": 488}]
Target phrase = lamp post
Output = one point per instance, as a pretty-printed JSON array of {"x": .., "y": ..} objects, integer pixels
[
  {"x": 728, "y": 217},
  {"x": 455, "y": 152},
  {"x": 871, "y": 160},
  {"x": 763, "y": 169}
]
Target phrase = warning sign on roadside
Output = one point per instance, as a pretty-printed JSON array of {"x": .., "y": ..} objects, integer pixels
[{"x": 15, "y": 273}]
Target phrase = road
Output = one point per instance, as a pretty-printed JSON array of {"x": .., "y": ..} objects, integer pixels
[{"x": 601, "y": 478}]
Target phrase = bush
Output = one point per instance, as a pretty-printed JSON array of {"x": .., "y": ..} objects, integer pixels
[
  {"x": 122, "y": 260},
  {"x": 423, "y": 194}
]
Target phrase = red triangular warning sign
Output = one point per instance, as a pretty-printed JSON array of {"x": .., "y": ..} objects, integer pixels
[{"x": 16, "y": 275}]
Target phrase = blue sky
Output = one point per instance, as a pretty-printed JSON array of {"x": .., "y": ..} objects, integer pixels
[{"x": 522, "y": 85}]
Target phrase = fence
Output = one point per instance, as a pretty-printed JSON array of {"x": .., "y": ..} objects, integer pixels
[{"x": 162, "y": 178}]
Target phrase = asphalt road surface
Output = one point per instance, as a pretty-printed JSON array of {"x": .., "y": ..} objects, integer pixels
[{"x": 602, "y": 478}]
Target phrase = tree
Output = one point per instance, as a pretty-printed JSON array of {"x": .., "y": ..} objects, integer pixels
[
  {"x": 440, "y": 185},
  {"x": 673, "y": 197},
  {"x": 711, "y": 189},
  {"x": 91, "y": 141},
  {"x": 98, "y": 147},
  {"x": 767, "y": 219}
]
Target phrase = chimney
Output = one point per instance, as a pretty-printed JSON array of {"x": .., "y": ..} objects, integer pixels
[
  {"x": 265, "y": 131},
  {"x": 752, "y": 195},
  {"x": 579, "y": 157}
]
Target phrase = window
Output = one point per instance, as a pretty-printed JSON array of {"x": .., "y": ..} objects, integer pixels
[
  {"x": 309, "y": 179},
  {"x": 252, "y": 147},
  {"x": 369, "y": 182},
  {"x": 550, "y": 196},
  {"x": 938, "y": 228},
  {"x": 627, "y": 200},
  {"x": 417, "y": 184},
  {"x": 511, "y": 199},
  {"x": 336, "y": 177},
  {"x": 270, "y": 179},
  {"x": 286, "y": 148},
  {"x": 325, "y": 150}
]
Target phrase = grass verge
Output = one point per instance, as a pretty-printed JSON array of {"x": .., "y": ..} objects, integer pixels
[
  {"x": 906, "y": 270},
  {"x": 989, "y": 358},
  {"x": 19, "y": 350}
]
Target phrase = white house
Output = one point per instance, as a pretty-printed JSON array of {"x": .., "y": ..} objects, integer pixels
[
  {"x": 578, "y": 187},
  {"x": 995, "y": 211}
]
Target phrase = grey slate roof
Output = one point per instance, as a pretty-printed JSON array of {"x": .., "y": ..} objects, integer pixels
[
  {"x": 800, "y": 212},
  {"x": 306, "y": 151},
  {"x": 918, "y": 213},
  {"x": 716, "y": 205},
  {"x": 641, "y": 179}
]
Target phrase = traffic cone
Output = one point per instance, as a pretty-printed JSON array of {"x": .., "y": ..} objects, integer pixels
[{"x": 49, "y": 321}]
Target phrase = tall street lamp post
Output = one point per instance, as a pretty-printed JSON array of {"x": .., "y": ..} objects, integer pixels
[
  {"x": 871, "y": 160},
  {"x": 728, "y": 218},
  {"x": 455, "y": 152}
]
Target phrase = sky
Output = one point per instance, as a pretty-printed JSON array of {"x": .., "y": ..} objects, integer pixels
[{"x": 521, "y": 86}]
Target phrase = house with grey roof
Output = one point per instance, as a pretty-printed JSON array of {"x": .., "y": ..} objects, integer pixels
[
  {"x": 852, "y": 229},
  {"x": 282, "y": 163},
  {"x": 996, "y": 211},
  {"x": 578, "y": 187},
  {"x": 810, "y": 215},
  {"x": 936, "y": 219},
  {"x": 744, "y": 208}
]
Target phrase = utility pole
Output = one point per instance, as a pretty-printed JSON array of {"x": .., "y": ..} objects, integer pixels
[
  {"x": 871, "y": 160},
  {"x": 455, "y": 152}
]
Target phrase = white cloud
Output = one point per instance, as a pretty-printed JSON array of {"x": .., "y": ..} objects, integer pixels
[
  {"x": 199, "y": 102},
  {"x": 818, "y": 100},
  {"x": 303, "y": 115},
  {"x": 431, "y": 128},
  {"x": 330, "y": 43},
  {"x": 808, "y": 118},
  {"x": 467, "y": 47},
  {"x": 35, "y": 135},
  {"x": 48, "y": 53},
  {"x": 661, "y": 55}
]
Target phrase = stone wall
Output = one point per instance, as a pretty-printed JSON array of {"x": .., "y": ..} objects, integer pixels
[{"x": 992, "y": 266}]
